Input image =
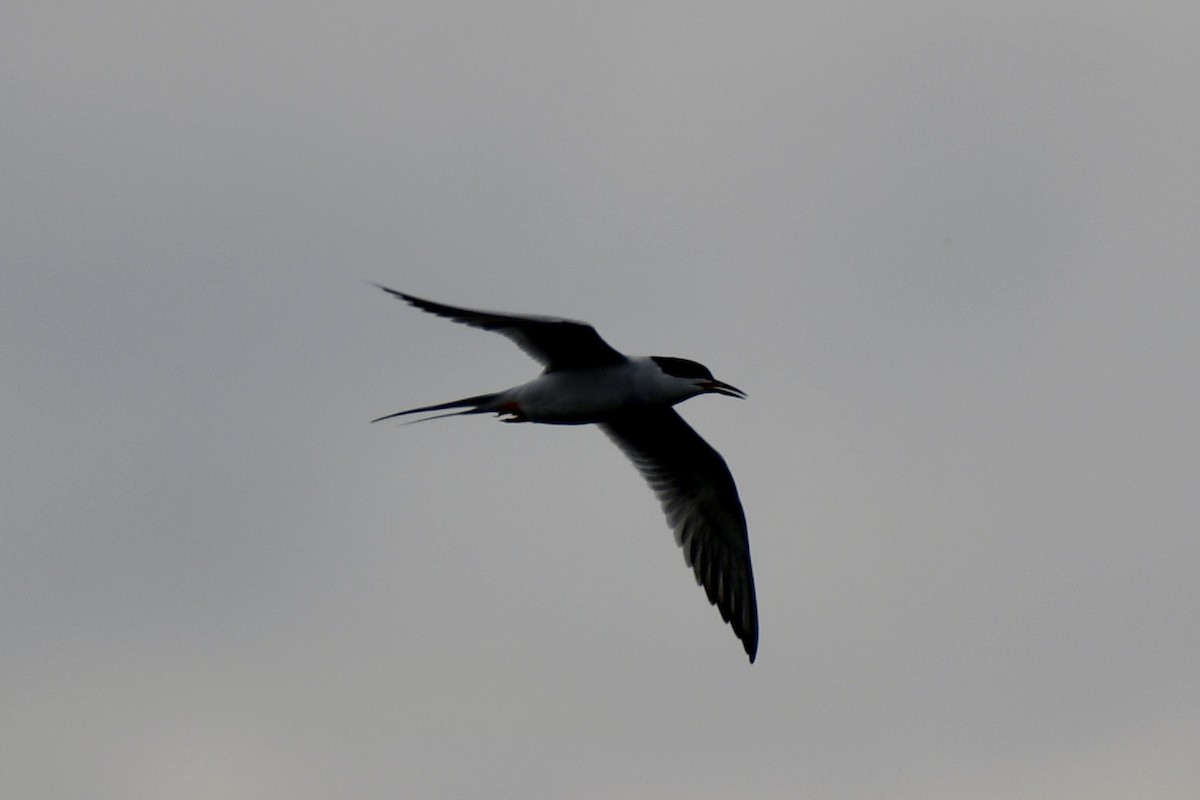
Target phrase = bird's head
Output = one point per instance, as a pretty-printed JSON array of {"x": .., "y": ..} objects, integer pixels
[{"x": 698, "y": 375}]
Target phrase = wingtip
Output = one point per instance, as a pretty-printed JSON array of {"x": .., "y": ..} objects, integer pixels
[
  {"x": 414, "y": 301},
  {"x": 392, "y": 292}
]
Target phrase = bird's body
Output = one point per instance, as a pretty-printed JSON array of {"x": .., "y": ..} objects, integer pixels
[
  {"x": 585, "y": 396},
  {"x": 585, "y": 381}
]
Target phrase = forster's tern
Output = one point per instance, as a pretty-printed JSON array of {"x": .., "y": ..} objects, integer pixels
[{"x": 585, "y": 381}]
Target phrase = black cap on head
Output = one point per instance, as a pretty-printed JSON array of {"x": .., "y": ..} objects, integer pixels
[{"x": 682, "y": 367}]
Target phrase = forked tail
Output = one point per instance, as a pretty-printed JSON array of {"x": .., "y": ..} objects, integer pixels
[{"x": 479, "y": 404}]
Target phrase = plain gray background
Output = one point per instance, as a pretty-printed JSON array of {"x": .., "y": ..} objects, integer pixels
[{"x": 949, "y": 249}]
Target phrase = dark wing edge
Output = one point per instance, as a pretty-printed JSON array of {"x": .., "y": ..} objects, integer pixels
[
  {"x": 701, "y": 504},
  {"x": 556, "y": 344}
]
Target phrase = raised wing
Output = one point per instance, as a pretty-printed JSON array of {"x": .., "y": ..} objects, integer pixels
[
  {"x": 556, "y": 344},
  {"x": 701, "y": 502}
]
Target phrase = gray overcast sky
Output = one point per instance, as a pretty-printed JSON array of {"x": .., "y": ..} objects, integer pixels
[{"x": 949, "y": 249}]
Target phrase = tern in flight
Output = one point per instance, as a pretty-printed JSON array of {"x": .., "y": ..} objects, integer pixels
[{"x": 585, "y": 381}]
